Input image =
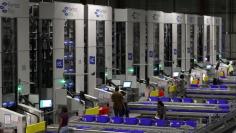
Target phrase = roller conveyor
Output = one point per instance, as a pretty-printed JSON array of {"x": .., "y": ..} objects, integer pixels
[
  {"x": 177, "y": 106},
  {"x": 175, "y": 109},
  {"x": 99, "y": 127},
  {"x": 226, "y": 80},
  {"x": 212, "y": 93}
]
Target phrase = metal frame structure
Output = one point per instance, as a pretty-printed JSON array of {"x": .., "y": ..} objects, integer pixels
[
  {"x": 191, "y": 40},
  {"x": 132, "y": 50},
  {"x": 208, "y": 40},
  {"x": 217, "y": 37},
  {"x": 98, "y": 39},
  {"x": 155, "y": 42},
  {"x": 174, "y": 35},
  {"x": 59, "y": 13},
  {"x": 14, "y": 47}
]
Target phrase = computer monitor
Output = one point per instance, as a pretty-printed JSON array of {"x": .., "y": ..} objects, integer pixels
[
  {"x": 127, "y": 84},
  {"x": 208, "y": 67},
  {"x": 45, "y": 104},
  {"x": 175, "y": 74}
]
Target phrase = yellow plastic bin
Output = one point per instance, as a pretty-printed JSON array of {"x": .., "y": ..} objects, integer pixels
[
  {"x": 154, "y": 93},
  {"x": 92, "y": 111}
]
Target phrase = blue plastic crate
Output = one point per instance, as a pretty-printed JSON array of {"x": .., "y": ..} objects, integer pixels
[
  {"x": 214, "y": 86},
  {"x": 176, "y": 99},
  {"x": 153, "y": 98},
  {"x": 191, "y": 123},
  {"x": 176, "y": 123},
  {"x": 221, "y": 101},
  {"x": 117, "y": 120},
  {"x": 162, "y": 123},
  {"x": 211, "y": 101},
  {"x": 131, "y": 121},
  {"x": 89, "y": 118},
  {"x": 223, "y": 86},
  {"x": 194, "y": 86},
  {"x": 136, "y": 131},
  {"x": 103, "y": 119},
  {"x": 165, "y": 99},
  {"x": 145, "y": 121},
  {"x": 187, "y": 100}
]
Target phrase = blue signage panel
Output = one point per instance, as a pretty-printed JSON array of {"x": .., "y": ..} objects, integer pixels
[
  {"x": 150, "y": 53},
  {"x": 175, "y": 51},
  {"x": 92, "y": 60},
  {"x": 59, "y": 63},
  {"x": 130, "y": 56}
]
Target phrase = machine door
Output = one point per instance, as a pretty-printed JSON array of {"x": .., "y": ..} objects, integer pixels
[
  {"x": 136, "y": 48},
  {"x": 100, "y": 54},
  {"x": 69, "y": 55},
  {"x": 156, "y": 52},
  {"x": 168, "y": 48},
  {"x": 200, "y": 44},
  {"x": 9, "y": 62}
]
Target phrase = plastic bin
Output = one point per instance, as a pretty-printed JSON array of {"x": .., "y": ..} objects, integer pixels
[
  {"x": 165, "y": 99},
  {"x": 222, "y": 101},
  {"x": 175, "y": 123},
  {"x": 103, "y": 119},
  {"x": 89, "y": 118},
  {"x": 92, "y": 111},
  {"x": 211, "y": 101},
  {"x": 131, "y": 121},
  {"x": 153, "y": 98},
  {"x": 191, "y": 123},
  {"x": 162, "y": 123},
  {"x": 187, "y": 100},
  {"x": 176, "y": 99},
  {"x": 145, "y": 121},
  {"x": 117, "y": 120}
]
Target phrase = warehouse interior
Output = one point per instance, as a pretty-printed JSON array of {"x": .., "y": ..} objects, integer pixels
[{"x": 108, "y": 66}]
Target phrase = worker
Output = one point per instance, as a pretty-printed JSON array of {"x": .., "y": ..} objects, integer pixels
[
  {"x": 181, "y": 87},
  {"x": 118, "y": 103},
  {"x": 147, "y": 89},
  {"x": 161, "y": 110},
  {"x": 63, "y": 121},
  {"x": 230, "y": 69},
  {"x": 126, "y": 110}
]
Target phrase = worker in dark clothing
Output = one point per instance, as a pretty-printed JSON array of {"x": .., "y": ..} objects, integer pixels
[
  {"x": 63, "y": 121},
  {"x": 161, "y": 110},
  {"x": 126, "y": 110},
  {"x": 118, "y": 103},
  {"x": 181, "y": 92}
]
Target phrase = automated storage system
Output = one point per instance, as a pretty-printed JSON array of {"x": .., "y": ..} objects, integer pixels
[
  {"x": 217, "y": 37},
  {"x": 174, "y": 42},
  {"x": 14, "y": 47},
  {"x": 200, "y": 39},
  {"x": 155, "y": 42},
  {"x": 208, "y": 40},
  {"x": 62, "y": 45},
  {"x": 98, "y": 46},
  {"x": 129, "y": 44},
  {"x": 191, "y": 40}
]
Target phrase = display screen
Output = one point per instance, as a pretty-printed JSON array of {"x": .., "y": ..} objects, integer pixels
[
  {"x": 127, "y": 84},
  {"x": 208, "y": 66},
  {"x": 175, "y": 74},
  {"x": 45, "y": 104}
]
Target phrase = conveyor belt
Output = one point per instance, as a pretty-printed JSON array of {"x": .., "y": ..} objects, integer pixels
[
  {"x": 147, "y": 129},
  {"x": 199, "y": 110},
  {"x": 211, "y": 93}
]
